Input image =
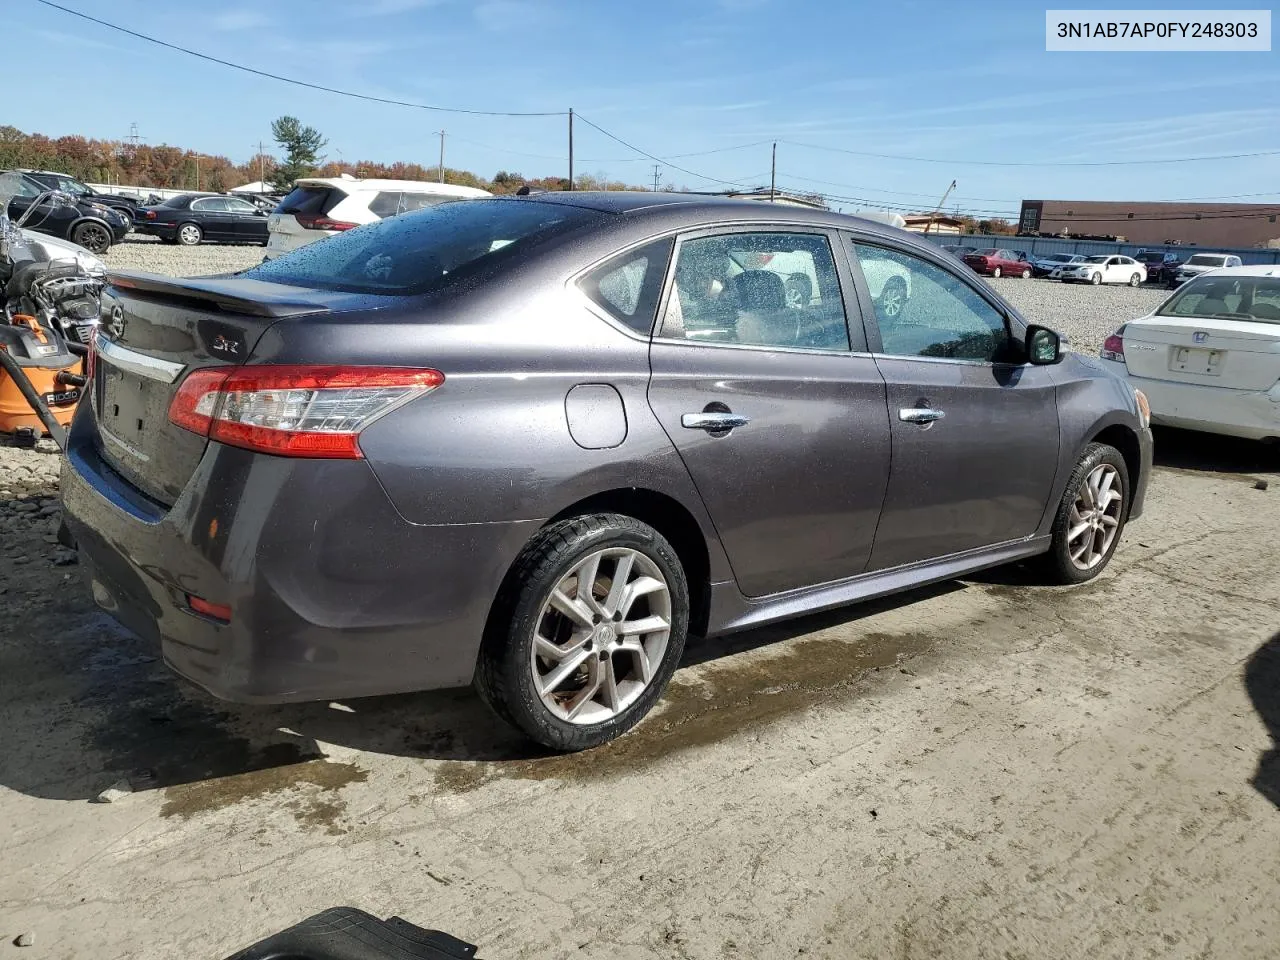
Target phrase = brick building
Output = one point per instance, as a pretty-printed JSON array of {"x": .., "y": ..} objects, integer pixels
[{"x": 1193, "y": 224}]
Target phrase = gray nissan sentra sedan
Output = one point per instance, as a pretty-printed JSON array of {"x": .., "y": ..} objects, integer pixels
[{"x": 533, "y": 442}]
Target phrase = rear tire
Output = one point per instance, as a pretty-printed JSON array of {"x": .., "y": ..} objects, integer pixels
[
  {"x": 1135, "y": 280},
  {"x": 189, "y": 234},
  {"x": 568, "y": 658},
  {"x": 1086, "y": 532},
  {"x": 995, "y": 272}
]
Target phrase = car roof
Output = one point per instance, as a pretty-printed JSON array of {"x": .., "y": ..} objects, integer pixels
[
  {"x": 1252, "y": 270},
  {"x": 404, "y": 186},
  {"x": 696, "y": 208}
]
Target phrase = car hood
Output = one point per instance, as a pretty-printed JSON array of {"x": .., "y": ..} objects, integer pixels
[{"x": 1198, "y": 267}]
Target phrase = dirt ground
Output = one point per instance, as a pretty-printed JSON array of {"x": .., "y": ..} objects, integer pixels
[{"x": 980, "y": 769}]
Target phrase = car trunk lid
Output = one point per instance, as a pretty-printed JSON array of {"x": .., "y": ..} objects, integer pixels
[
  {"x": 155, "y": 331},
  {"x": 1239, "y": 355}
]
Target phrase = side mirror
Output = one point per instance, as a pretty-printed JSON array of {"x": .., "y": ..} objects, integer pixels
[{"x": 1044, "y": 346}]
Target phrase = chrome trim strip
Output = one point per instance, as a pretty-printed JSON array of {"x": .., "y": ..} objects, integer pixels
[{"x": 153, "y": 368}]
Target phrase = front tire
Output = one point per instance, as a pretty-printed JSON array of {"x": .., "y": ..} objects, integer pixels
[
  {"x": 189, "y": 234},
  {"x": 94, "y": 237},
  {"x": 1091, "y": 516},
  {"x": 1026, "y": 274},
  {"x": 587, "y": 630},
  {"x": 1096, "y": 279}
]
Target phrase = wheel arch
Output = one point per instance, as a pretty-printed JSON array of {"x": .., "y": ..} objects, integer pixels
[
  {"x": 1123, "y": 438},
  {"x": 78, "y": 222},
  {"x": 674, "y": 521}
]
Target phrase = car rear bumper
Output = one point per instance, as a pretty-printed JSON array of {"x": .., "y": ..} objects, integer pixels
[
  {"x": 165, "y": 231},
  {"x": 332, "y": 593},
  {"x": 1250, "y": 414}
]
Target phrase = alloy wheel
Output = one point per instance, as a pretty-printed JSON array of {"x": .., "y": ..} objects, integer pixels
[
  {"x": 189, "y": 234},
  {"x": 93, "y": 238},
  {"x": 601, "y": 636},
  {"x": 1094, "y": 520},
  {"x": 892, "y": 299}
]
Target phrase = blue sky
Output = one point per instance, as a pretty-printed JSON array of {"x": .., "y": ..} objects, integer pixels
[{"x": 921, "y": 78}]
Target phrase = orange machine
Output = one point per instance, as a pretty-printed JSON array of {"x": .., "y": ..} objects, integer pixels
[{"x": 40, "y": 379}]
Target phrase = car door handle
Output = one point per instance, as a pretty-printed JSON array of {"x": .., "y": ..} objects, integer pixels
[
  {"x": 713, "y": 421},
  {"x": 920, "y": 415}
]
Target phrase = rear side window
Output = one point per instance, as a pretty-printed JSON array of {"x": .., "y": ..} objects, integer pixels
[
  {"x": 627, "y": 287},
  {"x": 417, "y": 252},
  {"x": 317, "y": 200},
  {"x": 390, "y": 203}
]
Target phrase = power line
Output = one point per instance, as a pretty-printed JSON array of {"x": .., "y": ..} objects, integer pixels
[
  {"x": 296, "y": 82},
  {"x": 1029, "y": 163},
  {"x": 562, "y": 158},
  {"x": 645, "y": 153}
]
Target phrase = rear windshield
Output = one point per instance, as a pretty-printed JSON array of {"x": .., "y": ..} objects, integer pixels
[
  {"x": 988, "y": 253},
  {"x": 413, "y": 253},
  {"x": 179, "y": 201},
  {"x": 1254, "y": 299},
  {"x": 316, "y": 200},
  {"x": 1203, "y": 260}
]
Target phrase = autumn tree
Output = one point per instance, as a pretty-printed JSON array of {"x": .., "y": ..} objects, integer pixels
[{"x": 302, "y": 146}]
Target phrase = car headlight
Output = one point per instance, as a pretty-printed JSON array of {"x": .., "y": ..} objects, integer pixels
[{"x": 1144, "y": 407}]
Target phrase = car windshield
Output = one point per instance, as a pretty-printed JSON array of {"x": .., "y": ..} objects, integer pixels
[
  {"x": 1099, "y": 259},
  {"x": 1254, "y": 299},
  {"x": 1205, "y": 260},
  {"x": 73, "y": 186},
  {"x": 415, "y": 252}
]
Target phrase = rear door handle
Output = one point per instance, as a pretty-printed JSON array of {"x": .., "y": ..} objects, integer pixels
[
  {"x": 920, "y": 415},
  {"x": 713, "y": 421}
]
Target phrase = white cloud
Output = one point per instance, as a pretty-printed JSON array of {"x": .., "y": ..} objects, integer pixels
[{"x": 239, "y": 20}]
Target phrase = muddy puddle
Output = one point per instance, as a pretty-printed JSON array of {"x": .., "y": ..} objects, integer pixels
[{"x": 709, "y": 703}]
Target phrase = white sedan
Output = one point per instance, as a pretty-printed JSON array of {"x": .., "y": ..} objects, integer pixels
[
  {"x": 1105, "y": 268},
  {"x": 1208, "y": 358}
]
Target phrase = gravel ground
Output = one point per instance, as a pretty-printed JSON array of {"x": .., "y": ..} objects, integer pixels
[
  {"x": 153, "y": 256},
  {"x": 1086, "y": 314}
]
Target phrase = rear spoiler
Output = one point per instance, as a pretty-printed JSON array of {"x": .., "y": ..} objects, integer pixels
[{"x": 233, "y": 294}]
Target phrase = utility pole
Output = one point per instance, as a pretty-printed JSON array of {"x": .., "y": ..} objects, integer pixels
[
  {"x": 197, "y": 173},
  {"x": 938, "y": 207},
  {"x": 773, "y": 174},
  {"x": 656, "y": 171},
  {"x": 442, "y": 156},
  {"x": 571, "y": 148}
]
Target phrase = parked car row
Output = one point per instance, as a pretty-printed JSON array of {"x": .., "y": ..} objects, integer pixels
[
  {"x": 1146, "y": 266},
  {"x": 315, "y": 208}
]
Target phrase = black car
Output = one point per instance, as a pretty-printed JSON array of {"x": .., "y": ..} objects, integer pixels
[
  {"x": 1161, "y": 265},
  {"x": 77, "y": 219},
  {"x": 192, "y": 218},
  {"x": 51, "y": 180}
]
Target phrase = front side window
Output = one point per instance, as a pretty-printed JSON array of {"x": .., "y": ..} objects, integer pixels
[
  {"x": 923, "y": 310},
  {"x": 628, "y": 286},
  {"x": 757, "y": 289},
  {"x": 239, "y": 206}
]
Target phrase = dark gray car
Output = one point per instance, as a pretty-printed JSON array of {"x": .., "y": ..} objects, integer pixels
[{"x": 533, "y": 442}]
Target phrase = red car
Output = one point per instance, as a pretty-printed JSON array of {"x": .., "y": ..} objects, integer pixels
[{"x": 999, "y": 263}]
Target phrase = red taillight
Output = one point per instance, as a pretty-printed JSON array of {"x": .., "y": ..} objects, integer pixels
[
  {"x": 1113, "y": 346},
  {"x": 151, "y": 214},
  {"x": 217, "y": 611},
  {"x": 295, "y": 411},
  {"x": 318, "y": 221}
]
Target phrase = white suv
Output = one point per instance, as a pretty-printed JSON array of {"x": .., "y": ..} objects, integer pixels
[{"x": 321, "y": 207}]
